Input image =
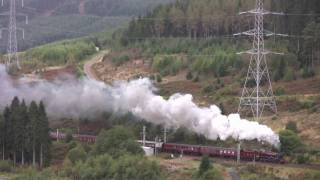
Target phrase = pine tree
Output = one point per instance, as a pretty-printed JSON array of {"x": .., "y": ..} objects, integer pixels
[
  {"x": 45, "y": 141},
  {"x": 7, "y": 146},
  {"x": 2, "y": 130},
  {"x": 23, "y": 124},
  {"x": 34, "y": 120},
  {"x": 14, "y": 118}
]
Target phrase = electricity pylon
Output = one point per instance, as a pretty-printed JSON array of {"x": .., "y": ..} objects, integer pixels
[
  {"x": 12, "y": 60},
  {"x": 257, "y": 93}
]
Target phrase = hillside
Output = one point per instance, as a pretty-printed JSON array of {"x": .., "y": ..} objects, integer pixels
[
  {"x": 64, "y": 19},
  {"x": 179, "y": 46}
]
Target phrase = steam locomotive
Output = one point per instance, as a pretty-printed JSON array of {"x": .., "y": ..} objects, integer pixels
[{"x": 195, "y": 150}]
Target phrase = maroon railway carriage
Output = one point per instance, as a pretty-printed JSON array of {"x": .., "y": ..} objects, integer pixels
[
  {"x": 229, "y": 153},
  {"x": 82, "y": 138}
]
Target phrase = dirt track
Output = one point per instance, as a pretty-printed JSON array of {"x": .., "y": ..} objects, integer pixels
[{"x": 88, "y": 65}]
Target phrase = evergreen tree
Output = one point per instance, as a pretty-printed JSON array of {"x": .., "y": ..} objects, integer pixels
[
  {"x": 22, "y": 131},
  {"x": 44, "y": 139},
  {"x": 7, "y": 146},
  {"x": 2, "y": 130},
  {"x": 15, "y": 125},
  {"x": 34, "y": 120}
]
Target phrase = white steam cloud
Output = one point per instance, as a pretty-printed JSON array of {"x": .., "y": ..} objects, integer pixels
[{"x": 87, "y": 98}]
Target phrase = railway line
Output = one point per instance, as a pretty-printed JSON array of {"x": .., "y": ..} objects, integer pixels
[{"x": 225, "y": 156}]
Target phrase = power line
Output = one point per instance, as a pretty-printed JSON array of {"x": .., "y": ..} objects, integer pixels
[{"x": 257, "y": 97}]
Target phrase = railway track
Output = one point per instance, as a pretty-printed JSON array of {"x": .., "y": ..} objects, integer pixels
[{"x": 231, "y": 162}]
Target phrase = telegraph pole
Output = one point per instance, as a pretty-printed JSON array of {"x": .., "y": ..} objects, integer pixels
[
  {"x": 144, "y": 135},
  {"x": 165, "y": 134},
  {"x": 257, "y": 92}
]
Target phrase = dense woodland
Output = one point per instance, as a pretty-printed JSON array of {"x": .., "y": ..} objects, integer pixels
[
  {"x": 25, "y": 134},
  {"x": 208, "y": 24}
]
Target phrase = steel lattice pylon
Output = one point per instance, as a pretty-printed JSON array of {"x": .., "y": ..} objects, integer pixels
[
  {"x": 257, "y": 92},
  {"x": 12, "y": 48}
]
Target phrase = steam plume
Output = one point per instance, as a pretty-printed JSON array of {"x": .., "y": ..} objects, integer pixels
[{"x": 86, "y": 98}]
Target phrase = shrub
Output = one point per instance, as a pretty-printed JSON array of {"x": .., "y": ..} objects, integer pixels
[
  {"x": 208, "y": 89},
  {"x": 253, "y": 177},
  {"x": 117, "y": 141},
  {"x": 307, "y": 72},
  {"x": 290, "y": 141},
  {"x": 167, "y": 65},
  {"x": 280, "y": 91},
  {"x": 212, "y": 174},
  {"x": 118, "y": 61},
  {"x": 72, "y": 145},
  {"x": 159, "y": 78},
  {"x": 316, "y": 176},
  {"x": 307, "y": 104},
  {"x": 292, "y": 126},
  {"x": 205, "y": 165},
  {"x": 303, "y": 158},
  {"x": 189, "y": 76},
  {"x": 289, "y": 75},
  {"x": 77, "y": 154},
  {"x": 135, "y": 167},
  {"x": 5, "y": 166}
]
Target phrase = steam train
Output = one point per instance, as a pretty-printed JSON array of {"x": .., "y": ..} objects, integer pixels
[
  {"x": 228, "y": 153},
  {"x": 194, "y": 150}
]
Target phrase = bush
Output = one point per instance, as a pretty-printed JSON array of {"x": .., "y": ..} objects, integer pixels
[
  {"x": 77, "y": 154},
  {"x": 5, "y": 166},
  {"x": 208, "y": 89},
  {"x": 167, "y": 65},
  {"x": 116, "y": 142},
  {"x": 292, "y": 126},
  {"x": 159, "y": 78},
  {"x": 118, "y": 61},
  {"x": 253, "y": 177},
  {"x": 307, "y": 104},
  {"x": 280, "y": 91},
  {"x": 316, "y": 176},
  {"x": 189, "y": 76},
  {"x": 307, "y": 72},
  {"x": 212, "y": 174},
  {"x": 125, "y": 167},
  {"x": 289, "y": 75},
  {"x": 290, "y": 141},
  {"x": 33, "y": 174},
  {"x": 303, "y": 158},
  {"x": 205, "y": 165}
]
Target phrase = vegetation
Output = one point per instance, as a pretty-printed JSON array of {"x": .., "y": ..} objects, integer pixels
[
  {"x": 117, "y": 141},
  {"x": 201, "y": 27},
  {"x": 62, "y": 53},
  {"x": 25, "y": 133},
  {"x": 102, "y": 162},
  {"x": 290, "y": 142},
  {"x": 207, "y": 171},
  {"x": 167, "y": 65},
  {"x": 205, "y": 165},
  {"x": 292, "y": 126}
]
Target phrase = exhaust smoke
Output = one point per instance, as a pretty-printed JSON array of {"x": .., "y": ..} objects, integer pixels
[{"x": 86, "y": 98}]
